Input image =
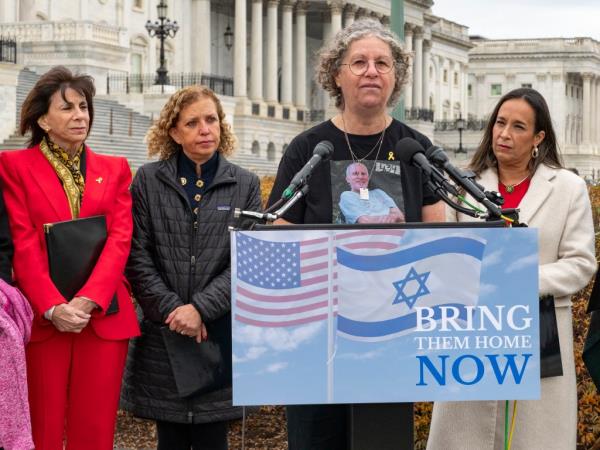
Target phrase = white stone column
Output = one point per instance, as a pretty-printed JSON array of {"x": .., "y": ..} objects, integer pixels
[
  {"x": 286, "y": 53},
  {"x": 418, "y": 69},
  {"x": 426, "y": 79},
  {"x": 336, "y": 7},
  {"x": 597, "y": 118},
  {"x": 26, "y": 10},
  {"x": 408, "y": 44},
  {"x": 439, "y": 106},
  {"x": 301, "y": 54},
  {"x": 451, "y": 90},
  {"x": 271, "y": 75},
  {"x": 587, "y": 107},
  {"x": 201, "y": 54},
  {"x": 480, "y": 101},
  {"x": 593, "y": 109},
  {"x": 349, "y": 14},
  {"x": 239, "y": 60},
  {"x": 465, "y": 90},
  {"x": 83, "y": 10},
  {"x": 256, "y": 49}
]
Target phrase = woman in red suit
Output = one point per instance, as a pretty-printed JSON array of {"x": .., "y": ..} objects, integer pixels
[{"x": 77, "y": 352}]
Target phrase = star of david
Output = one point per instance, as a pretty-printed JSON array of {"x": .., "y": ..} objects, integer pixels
[{"x": 400, "y": 285}]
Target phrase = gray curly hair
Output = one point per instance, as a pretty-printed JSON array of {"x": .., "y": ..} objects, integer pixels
[{"x": 332, "y": 54}]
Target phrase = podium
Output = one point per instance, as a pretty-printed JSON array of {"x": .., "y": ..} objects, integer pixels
[{"x": 423, "y": 273}]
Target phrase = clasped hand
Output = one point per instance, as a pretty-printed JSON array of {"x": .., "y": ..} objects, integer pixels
[
  {"x": 74, "y": 316},
  {"x": 186, "y": 320}
]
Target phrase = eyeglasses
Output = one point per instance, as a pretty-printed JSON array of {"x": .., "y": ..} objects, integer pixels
[{"x": 360, "y": 66}]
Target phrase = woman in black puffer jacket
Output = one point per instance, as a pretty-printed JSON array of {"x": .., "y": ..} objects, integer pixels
[{"x": 179, "y": 371}]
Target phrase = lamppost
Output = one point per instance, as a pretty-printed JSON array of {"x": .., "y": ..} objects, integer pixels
[
  {"x": 163, "y": 29},
  {"x": 460, "y": 126}
]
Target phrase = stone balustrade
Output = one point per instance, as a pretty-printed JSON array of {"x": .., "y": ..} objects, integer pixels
[
  {"x": 547, "y": 45},
  {"x": 66, "y": 30}
]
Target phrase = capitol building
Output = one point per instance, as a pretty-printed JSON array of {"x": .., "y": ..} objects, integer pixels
[{"x": 259, "y": 55}]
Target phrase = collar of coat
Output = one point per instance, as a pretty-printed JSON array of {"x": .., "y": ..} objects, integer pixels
[
  {"x": 168, "y": 172},
  {"x": 540, "y": 188}
]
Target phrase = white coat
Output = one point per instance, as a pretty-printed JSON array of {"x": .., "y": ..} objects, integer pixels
[{"x": 557, "y": 204}]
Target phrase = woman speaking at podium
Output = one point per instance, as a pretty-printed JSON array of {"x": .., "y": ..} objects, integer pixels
[
  {"x": 363, "y": 68},
  {"x": 518, "y": 157}
]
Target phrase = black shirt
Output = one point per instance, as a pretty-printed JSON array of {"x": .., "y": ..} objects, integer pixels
[{"x": 328, "y": 179}]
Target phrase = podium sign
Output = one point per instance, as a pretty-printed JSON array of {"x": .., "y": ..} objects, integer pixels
[{"x": 385, "y": 315}]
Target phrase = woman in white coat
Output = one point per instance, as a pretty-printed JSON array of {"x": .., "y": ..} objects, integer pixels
[{"x": 518, "y": 157}]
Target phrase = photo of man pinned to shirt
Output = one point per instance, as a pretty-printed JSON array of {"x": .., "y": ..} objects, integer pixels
[{"x": 367, "y": 192}]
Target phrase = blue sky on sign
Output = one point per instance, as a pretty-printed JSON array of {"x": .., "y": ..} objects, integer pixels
[
  {"x": 512, "y": 19},
  {"x": 271, "y": 364}
]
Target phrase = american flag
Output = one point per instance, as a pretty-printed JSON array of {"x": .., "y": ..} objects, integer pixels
[{"x": 281, "y": 284}]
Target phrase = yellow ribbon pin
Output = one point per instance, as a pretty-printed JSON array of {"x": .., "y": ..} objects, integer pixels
[{"x": 391, "y": 156}]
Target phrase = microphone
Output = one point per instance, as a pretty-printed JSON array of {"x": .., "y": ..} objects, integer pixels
[
  {"x": 465, "y": 179},
  {"x": 322, "y": 152},
  {"x": 410, "y": 151}
]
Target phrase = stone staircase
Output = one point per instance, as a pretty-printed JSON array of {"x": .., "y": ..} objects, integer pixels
[{"x": 119, "y": 130}]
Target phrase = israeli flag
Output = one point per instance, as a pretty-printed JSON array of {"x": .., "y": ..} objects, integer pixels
[{"x": 378, "y": 294}]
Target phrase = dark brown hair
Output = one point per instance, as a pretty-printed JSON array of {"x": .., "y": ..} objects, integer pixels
[
  {"x": 484, "y": 157},
  {"x": 37, "y": 103}
]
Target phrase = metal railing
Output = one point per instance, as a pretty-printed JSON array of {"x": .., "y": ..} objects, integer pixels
[
  {"x": 144, "y": 83},
  {"x": 450, "y": 125},
  {"x": 8, "y": 50},
  {"x": 418, "y": 114}
]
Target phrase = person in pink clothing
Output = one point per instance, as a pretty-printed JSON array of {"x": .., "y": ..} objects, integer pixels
[{"x": 15, "y": 328}]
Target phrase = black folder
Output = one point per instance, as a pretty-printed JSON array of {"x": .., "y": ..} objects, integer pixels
[{"x": 74, "y": 247}]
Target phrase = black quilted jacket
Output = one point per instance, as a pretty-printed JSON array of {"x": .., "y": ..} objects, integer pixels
[{"x": 179, "y": 258}]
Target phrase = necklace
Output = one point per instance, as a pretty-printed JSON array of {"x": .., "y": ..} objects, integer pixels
[
  {"x": 510, "y": 188},
  {"x": 364, "y": 192}
]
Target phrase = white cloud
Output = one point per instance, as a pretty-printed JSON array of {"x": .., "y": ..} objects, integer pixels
[
  {"x": 493, "y": 258},
  {"x": 522, "y": 263},
  {"x": 361, "y": 356},
  {"x": 487, "y": 289},
  {"x": 279, "y": 339},
  {"x": 251, "y": 354},
  {"x": 275, "y": 367}
]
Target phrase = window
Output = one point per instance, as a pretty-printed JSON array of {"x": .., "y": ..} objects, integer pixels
[
  {"x": 470, "y": 90},
  {"x": 496, "y": 89},
  {"x": 138, "y": 4},
  {"x": 445, "y": 75},
  {"x": 526, "y": 85},
  {"x": 455, "y": 78}
]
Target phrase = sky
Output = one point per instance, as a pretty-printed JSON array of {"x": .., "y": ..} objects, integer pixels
[{"x": 514, "y": 19}]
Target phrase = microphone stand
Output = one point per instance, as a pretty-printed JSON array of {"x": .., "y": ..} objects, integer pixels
[
  {"x": 490, "y": 199},
  {"x": 273, "y": 216}
]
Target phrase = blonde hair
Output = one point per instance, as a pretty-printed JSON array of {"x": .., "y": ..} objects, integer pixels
[
  {"x": 162, "y": 144},
  {"x": 332, "y": 54}
]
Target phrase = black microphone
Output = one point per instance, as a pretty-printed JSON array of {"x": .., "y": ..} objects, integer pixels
[
  {"x": 464, "y": 178},
  {"x": 322, "y": 152},
  {"x": 410, "y": 151}
]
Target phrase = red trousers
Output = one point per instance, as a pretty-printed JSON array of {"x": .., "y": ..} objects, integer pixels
[{"x": 74, "y": 385}]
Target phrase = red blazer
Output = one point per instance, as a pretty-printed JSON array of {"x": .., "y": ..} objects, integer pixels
[{"x": 34, "y": 195}]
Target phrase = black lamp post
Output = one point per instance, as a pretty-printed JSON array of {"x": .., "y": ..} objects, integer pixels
[
  {"x": 228, "y": 37},
  {"x": 460, "y": 126},
  {"x": 163, "y": 29}
]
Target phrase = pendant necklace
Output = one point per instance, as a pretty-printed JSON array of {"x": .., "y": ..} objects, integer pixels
[
  {"x": 364, "y": 192},
  {"x": 510, "y": 188}
]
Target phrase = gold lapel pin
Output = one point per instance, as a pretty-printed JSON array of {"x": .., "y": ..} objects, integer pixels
[{"x": 99, "y": 180}]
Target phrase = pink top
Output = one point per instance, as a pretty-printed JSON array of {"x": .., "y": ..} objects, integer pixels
[{"x": 15, "y": 329}]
